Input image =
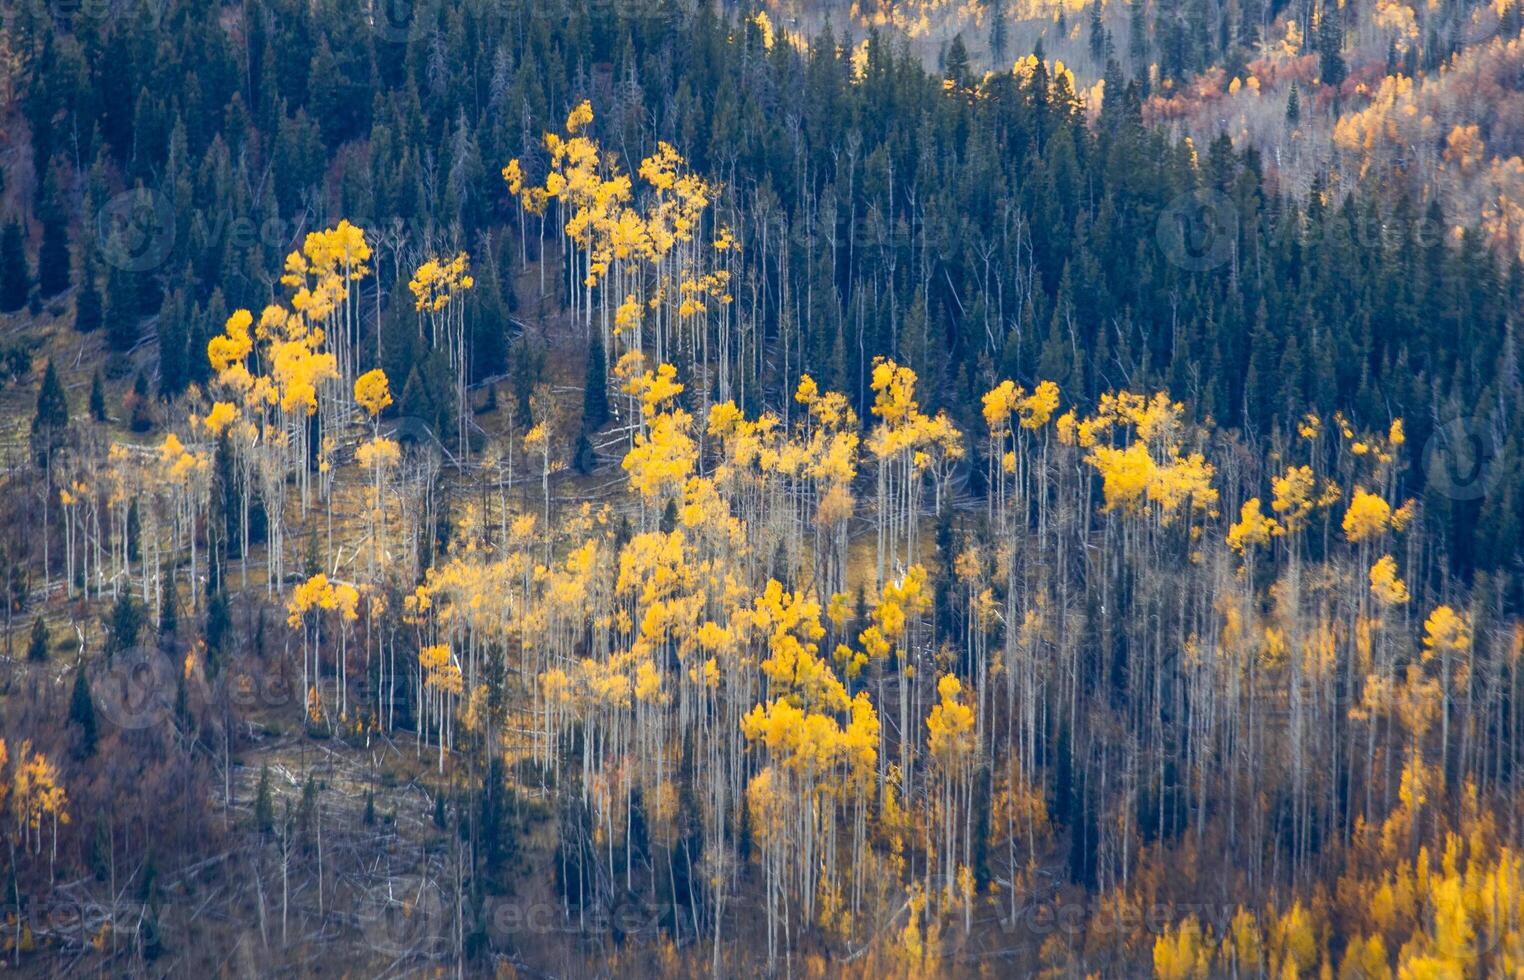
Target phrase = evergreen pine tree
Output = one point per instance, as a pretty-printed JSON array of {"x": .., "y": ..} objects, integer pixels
[
  {"x": 981, "y": 842},
  {"x": 227, "y": 491},
  {"x": 101, "y": 849},
  {"x": 37, "y": 649},
  {"x": 219, "y": 623},
  {"x": 174, "y": 366},
  {"x": 264, "y": 808},
  {"x": 88, "y": 315},
  {"x": 957, "y": 66},
  {"x": 82, "y": 713},
  {"x": 1098, "y": 38},
  {"x": 1000, "y": 32},
  {"x": 169, "y": 619},
  {"x": 583, "y": 456},
  {"x": 125, "y": 624},
  {"x": 198, "y": 369},
  {"x": 1260, "y": 384},
  {"x": 140, "y": 414},
  {"x": 51, "y": 422},
  {"x": 97, "y": 398},
  {"x": 1331, "y": 68},
  {"x": 1293, "y": 106},
  {"x": 488, "y": 326},
  {"x": 595, "y": 392},
  {"x": 123, "y": 313},
  {"x": 134, "y": 532},
  {"x": 53, "y": 263},
  {"x": 1137, "y": 37},
  {"x": 15, "y": 278}
]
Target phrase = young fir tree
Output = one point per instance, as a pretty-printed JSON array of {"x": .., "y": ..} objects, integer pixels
[
  {"x": 124, "y": 309},
  {"x": 140, "y": 412},
  {"x": 595, "y": 391},
  {"x": 169, "y": 620},
  {"x": 1098, "y": 40},
  {"x": 125, "y": 624},
  {"x": 37, "y": 649},
  {"x": 204, "y": 325},
  {"x": 88, "y": 314},
  {"x": 1137, "y": 37},
  {"x": 15, "y": 278},
  {"x": 82, "y": 713},
  {"x": 174, "y": 363},
  {"x": 1000, "y": 32},
  {"x": 53, "y": 263},
  {"x": 264, "y": 808},
  {"x": 51, "y": 421},
  {"x": 97, "y": 398},
  {"x": 134, "y": 532},
  {"x": 957, "y": 64},
  {"x": 1331, "y": 68},
  {"x": 583, "y": 456}
]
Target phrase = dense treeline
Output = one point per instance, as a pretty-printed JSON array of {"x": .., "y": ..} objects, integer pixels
[
  {"x": 1007, "y": 494},
  {"x": 987, "y": 232}
]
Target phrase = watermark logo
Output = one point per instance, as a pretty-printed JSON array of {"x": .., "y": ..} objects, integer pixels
[
  {"x": 415, "y": 435},
  {"x": 1461, "y": 460},
  {"x": 135, "y": 230},
  {"x": 403, "y": 917},
  {"x": 1198, "y": 230},
  {"x": 392, "y": 20},
  {"x": 77, "y": 13},
  {"x": 137, "y": 690}
]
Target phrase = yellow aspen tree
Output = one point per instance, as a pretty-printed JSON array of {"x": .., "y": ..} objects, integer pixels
[
  {"x": 1183, "y": 952},
  {"x": 1447, "y": 637},
  {"x": 373, "y": 394},
  {"x": 950, "y": 737},
  {"x": 908, "y": 445},
  {"x": 437, "y": 287},
  {"x": 440, "y": 680},
  {"x": 304, "y": 612}
]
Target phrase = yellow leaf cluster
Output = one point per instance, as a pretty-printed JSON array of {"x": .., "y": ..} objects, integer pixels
[
  {"x": 321, "y": 594},
  {"x": 1295, "y": 496},
  {"x": 1385, "y": 585},
  {"x": 1368, "y": 516},
  {"x": 373, "y": 392},
  {"x": 950, "y": 725},
  {"x": 1446, "y": 631},
  {"x": 438, "y": 281},
  {"x": 35, "y": 790},
  {"x": 380, "y": 453},
  {"x": 1253, "y": 529}
]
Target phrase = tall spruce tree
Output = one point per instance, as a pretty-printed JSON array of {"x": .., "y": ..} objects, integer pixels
[
  {"x": 37, "y": 645},
  {"x": 15, "y": 278},
  {"x": 595, "y": 391},
  {"x": 97, "y": 398},
  {"x": 123, "y": 312},
  {"x": 88, "y": 314},
  {"x": 51, "y": 421},
  {"x": 82, "y": 714},
  {"x": 53, "y": 262}
]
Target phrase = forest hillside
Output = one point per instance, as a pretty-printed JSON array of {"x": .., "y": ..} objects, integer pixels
[{"x": 549, "y": 489}]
